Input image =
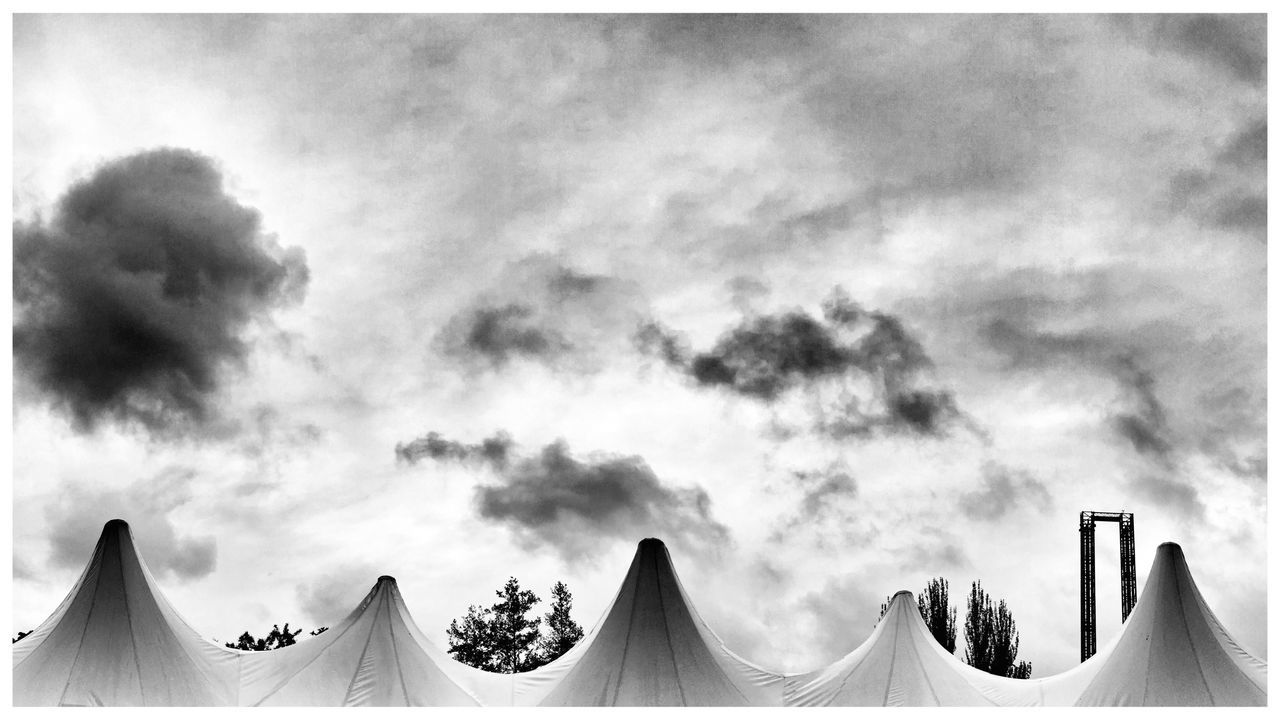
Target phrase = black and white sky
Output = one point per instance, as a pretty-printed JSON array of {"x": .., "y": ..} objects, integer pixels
[{"x": 832, "y": 305}]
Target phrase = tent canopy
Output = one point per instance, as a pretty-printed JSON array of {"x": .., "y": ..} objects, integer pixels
[{"x": 115, "y": 640}]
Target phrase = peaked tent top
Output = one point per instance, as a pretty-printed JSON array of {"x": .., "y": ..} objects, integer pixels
[
  {"x": 899, "y": 664},
  {"x": 376, "y": 656},
  {"x": 651, "y": 648},
  {"x": 115, "y": 640},
  {"x": 1173, "y": 651}
]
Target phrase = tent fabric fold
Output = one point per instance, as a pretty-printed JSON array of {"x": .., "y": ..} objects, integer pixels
[
  {"x": 652, "y": 649},
  {"x": 1173, "y": 650},
  {"x": 375, "y": 656},
  {"x": 115, "y": 640}
]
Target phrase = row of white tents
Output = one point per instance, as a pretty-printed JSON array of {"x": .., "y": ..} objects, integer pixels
[{"x": 116, "y": 641}]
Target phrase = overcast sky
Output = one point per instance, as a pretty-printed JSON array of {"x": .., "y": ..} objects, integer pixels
[{"x": 831, "y": 305}]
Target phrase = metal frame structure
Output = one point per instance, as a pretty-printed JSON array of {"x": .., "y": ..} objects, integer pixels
[{"x": 1088, "y": 581}]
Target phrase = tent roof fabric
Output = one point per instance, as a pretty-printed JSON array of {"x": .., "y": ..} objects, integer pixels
[
  {"x": 900, "y": 664},
  {"x": 375, "y": 656},
  {"x": 115, "y": 640},
  {"x": 652, "y": 649},
  {"x": 1173, "y": 650}
]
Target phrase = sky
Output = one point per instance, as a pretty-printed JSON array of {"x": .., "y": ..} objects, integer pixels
[{"x": 832, "y": 305}]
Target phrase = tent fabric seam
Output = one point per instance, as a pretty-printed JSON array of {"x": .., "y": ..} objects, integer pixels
[
  {"x": 666, "y": 628},
  {"x": 93, "y": 601}
]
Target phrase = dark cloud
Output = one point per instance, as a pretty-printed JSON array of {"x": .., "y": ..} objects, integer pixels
[
  {"x": 556, "y": 499},
  {"x": 820, "y": 489},
  {"x": 1144, "y": 426},
  {"x": 75, "y": 521},
  {"x": 1169, "y": 493},
  {"x": 1248, "y": 148},
  {"x": 543, "y": 312},
  {"x": 652, "y": 338},
  {"x": 1003, "y": 490},
  {"x": 767, "y": 356},
  {"x": 502, "y": 332},
  {"x": 1236, "y": 43},
  {"x": 1230, "y": 192},
  {"x": 493, "y": 450},
  {"x": 131, "y": 301}
]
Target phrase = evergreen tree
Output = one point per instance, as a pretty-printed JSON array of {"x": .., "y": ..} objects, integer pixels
[
  {"x": 515, "y": 636},
  {"x": 938, "y": 613},
  {"x": 471, "y": 641},
  {"x": 500, "y": 638},
  {"x": 991, "y": 636},
  {"x": 978, "y": 622},
  {"x": 562, "y": 632}
]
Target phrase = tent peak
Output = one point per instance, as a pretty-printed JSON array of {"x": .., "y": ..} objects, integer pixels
[
  {"x": 652, "y": 542},
  {"x": 1169, "y": 544},
  {"x": 386, "y": 579},
  {"x": 116, "y": 524},
  {"x": 901, "y": 592}
]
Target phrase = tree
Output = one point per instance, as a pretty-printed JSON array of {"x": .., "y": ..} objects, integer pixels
[
  {"x": 991, "y": 636},
  {"x": 562, "y": 632},
  {"x": 275, "y": 639},
  {"x": 935, "y": 608},
  {"x": 938, "y": 612},
  {"x": 500, "y": 638},
  {"x": 977, "y": 629}
]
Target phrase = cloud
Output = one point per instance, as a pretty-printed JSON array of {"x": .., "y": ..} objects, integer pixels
[
  {"x": 75, "y": 522},
  {"x": 1169, "y": 493},
  {"x": 821, "y": 488},
  {"x": 553, "y": 498},
  {"x": 1003, "y": 490},
  {"x": 1236, "y": 43},
  {"x": 765, "y": 357},
  {"x": 493, "y": 451},
  {"x": 824, "y": 511},
  {"x": 332, "y": 597},
  {"x": 844, "y": 612},
  {"x": 745, "y": 292},
  {"x": 1144, "y": 426},
  {"x": 131, "y": 301},
  {"x": 541, "y": 311},
  {"x": 1230, "y": 190}
]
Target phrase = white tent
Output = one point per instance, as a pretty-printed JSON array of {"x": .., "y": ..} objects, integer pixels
[
  {"x": 116, "y": 641},
  {"x": 651, "y": 648},
  {"x": 900, "y": 664},
  {"x": 375, "y": 656},
  {"x": 1173, "y": 651}
]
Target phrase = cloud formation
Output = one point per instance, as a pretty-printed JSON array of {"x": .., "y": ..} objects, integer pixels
[
  {"x": 75, "y": 522},
  {"x": 553, "y": 498},
  {"x": 493, "y": 450},
  {"x": 130, "y": 302},
  {"x": 543, "y": 312},
  {"x": 766, "y": 356},
  {"x": 1003, "y": 490}
]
